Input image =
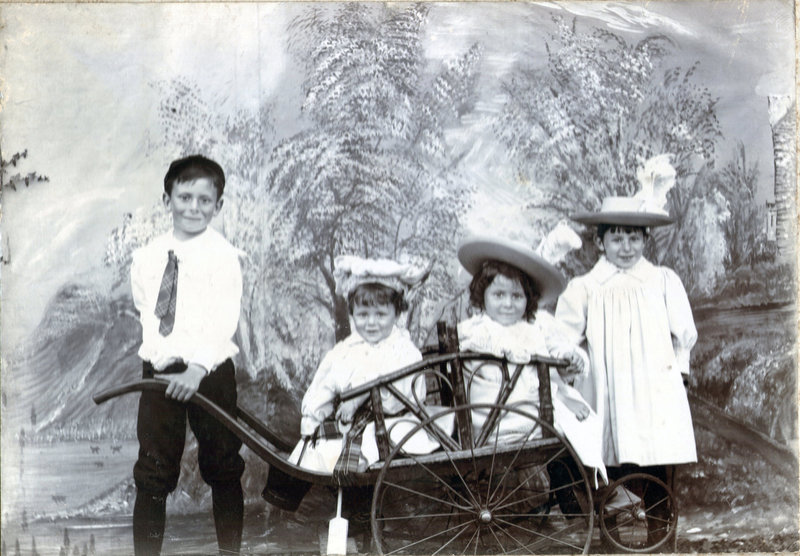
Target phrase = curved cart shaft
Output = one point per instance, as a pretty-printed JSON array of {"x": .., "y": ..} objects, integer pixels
[{"x": 266, "y": 444}]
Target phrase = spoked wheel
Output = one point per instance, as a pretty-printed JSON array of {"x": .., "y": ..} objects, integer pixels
[
  {"x": 520, "y": 492},
  {"x": 638, "y": 514}
]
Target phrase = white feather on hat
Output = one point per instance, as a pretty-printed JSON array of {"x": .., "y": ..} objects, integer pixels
[
  {"x": 558, "y": 242},
  {"x": 647, "y": 207},
  {"x": 657, "y": 177}
]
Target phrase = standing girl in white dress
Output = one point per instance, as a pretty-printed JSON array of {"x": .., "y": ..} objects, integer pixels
[{"x": 636, "y": 320}]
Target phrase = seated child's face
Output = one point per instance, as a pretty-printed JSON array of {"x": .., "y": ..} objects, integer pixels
[
  {"x": 193, "y": 204},
  {"x": 374, "y": 322},
  {"x": 504, "y": 300},
  {"x": 623, "y": 248}
]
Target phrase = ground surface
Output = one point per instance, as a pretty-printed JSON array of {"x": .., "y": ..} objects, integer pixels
[{"x": 732, "y": 500}]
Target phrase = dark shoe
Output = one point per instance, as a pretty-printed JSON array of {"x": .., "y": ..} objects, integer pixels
[{"x": 283, "y": 490}]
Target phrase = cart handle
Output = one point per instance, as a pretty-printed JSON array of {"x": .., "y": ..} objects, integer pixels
[{"x": 264, "y": 451}]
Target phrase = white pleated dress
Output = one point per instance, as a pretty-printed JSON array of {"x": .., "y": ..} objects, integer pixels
[{"x": 639, "y": 330}]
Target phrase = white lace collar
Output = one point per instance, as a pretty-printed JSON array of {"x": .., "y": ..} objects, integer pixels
[{"x": 604, "y": 270}]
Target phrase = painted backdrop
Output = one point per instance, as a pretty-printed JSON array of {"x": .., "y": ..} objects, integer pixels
[{"x": 376, "y": 129}]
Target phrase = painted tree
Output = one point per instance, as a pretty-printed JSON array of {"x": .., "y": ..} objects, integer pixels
[
  {"x": 372, "y": 173},
  {"x": 369, "y": 172},
  {"x": 16, "y": 180},
  {"x": 13, "y": 182},
  {"x": 581, "y": 126},
  {"x": 744, "y": 233}
]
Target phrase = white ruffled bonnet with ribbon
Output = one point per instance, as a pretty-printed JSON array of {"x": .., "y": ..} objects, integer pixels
[{"x": 350, "y": 271}]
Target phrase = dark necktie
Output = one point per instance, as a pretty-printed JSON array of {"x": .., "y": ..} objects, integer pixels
[{"x": 167, "y": 295}]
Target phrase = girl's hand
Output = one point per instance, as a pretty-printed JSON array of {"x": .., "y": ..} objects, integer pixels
[
  {"x": 575, "y": 366},
  {"x": 346, "y": 410},
  {"x": 580, "y": 410}
]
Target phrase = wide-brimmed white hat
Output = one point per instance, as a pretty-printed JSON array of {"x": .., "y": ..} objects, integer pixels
[
  {"x": 474, "y": 250},
  {"x": 625, "y": 211},
  {"x": 647, "y": 208}
]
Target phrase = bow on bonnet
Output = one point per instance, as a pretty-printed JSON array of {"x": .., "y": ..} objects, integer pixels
[{"x": 350, "y": 272}]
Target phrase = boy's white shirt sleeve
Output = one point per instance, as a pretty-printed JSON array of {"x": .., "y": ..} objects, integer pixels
[
  {"x": 681, "y": 321},
  {"x": 225, "y": 310}
]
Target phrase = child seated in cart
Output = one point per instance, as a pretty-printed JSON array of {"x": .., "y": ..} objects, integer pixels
[
  {"x": 508, "y": 281},
  {"x": 342, "y": 439}
]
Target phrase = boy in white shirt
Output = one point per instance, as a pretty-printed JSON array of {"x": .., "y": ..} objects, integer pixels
[{"x": 187, "y": 286}]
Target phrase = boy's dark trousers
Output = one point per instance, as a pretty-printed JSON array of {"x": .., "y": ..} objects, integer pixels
[{"x": 161, "y": 430}]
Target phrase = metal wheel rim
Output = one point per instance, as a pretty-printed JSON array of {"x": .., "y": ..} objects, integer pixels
[
  {"x": 670, "y": 524},
  {"x": 466, "y": 509}
]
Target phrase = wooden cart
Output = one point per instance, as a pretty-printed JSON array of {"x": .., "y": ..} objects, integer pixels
[{"x": 481, "y": 492}]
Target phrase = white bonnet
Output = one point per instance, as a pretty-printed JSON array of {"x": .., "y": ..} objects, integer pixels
[{"x": 350, "y": 272}]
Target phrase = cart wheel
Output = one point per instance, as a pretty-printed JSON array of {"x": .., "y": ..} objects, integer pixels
[
  {"x": 642, "y": 518},
  {"x": 520, "y": 494}
]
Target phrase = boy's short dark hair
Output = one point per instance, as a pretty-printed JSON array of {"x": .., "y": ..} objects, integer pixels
[
  {"x": 370, "y": 295},
  {"x": 603, "y": 228},
  {"x": 194, "y": 167},
  {"x": 488, "y": 272}
]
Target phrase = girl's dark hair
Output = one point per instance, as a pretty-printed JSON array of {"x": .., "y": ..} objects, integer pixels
[
  {"x": 603, "y": 228},
  {"x": 371, "y": 295},
  {"x": 488, "y": 272}
]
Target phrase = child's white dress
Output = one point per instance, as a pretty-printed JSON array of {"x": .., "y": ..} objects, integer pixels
[
  {"x": 518, "y": 342},
  {"x": 639, "y": 329},
  {"x": 351, "y": 363}
]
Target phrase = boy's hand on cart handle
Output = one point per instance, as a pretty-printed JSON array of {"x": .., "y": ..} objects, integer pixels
[{"x": 182, "y": 386}]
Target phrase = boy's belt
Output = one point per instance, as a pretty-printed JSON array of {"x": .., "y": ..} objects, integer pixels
[{"x": 148, "y": 371}]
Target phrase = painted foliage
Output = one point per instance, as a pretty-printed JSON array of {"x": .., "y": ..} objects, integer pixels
[{"x": 381, "y": 130}]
